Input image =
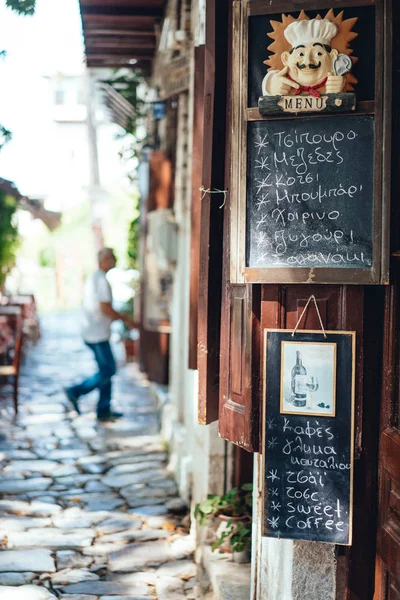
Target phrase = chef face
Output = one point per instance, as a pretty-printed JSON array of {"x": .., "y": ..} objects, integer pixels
[{"x": 309, "y": 64}]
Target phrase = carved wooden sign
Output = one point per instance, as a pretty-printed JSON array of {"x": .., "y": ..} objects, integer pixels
[
  {"x": 309, "y": 66},
  {"x": 308, "y": 195}
]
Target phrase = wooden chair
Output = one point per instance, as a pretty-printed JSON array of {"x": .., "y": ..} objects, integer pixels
[
  {"x": 30, "y": 320},
  {"x": 14, "y": 320}
]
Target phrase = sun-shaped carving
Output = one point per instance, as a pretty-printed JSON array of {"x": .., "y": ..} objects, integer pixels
[{"x": 340, "y": 42}]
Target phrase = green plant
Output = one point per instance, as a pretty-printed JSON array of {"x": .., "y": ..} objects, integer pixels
[
  {"x": 235, "y": 503},
  {"x": 238, "y": 533}
]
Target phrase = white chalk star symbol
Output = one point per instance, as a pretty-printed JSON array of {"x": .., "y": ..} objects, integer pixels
[
  {"x": 262, "y": 221},
  {"x": 274, "y": 491},
  {"x": 262, "y": 163},
  {"x": 261, "y": 238},
  {"x": 262, "y": 143},
  {"x": 271, "y": 423},
  {"x": 275, "y": 505},
  {"x": 272, "y": 442},
  {"x": 262, "y": 201},
  {"x": 263, "y": 183},
  {"x": 264, "y": 256},
  {"x": 273, "y": 474},
  {"x": 274, "y": 522}
]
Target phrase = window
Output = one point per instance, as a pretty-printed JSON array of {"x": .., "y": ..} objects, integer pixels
[{"x": 59, "y": 97}]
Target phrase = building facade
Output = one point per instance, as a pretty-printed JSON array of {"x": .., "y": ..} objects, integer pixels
[{"x": 226, "y": 276}]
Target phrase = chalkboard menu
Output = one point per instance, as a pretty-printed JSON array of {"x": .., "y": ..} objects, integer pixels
[
  {"x": 310, "y": 193},
  {"x": 308, "y": 435}
]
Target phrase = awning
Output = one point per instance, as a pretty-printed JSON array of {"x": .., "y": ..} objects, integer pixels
[
  {"x": 120, "y": 33},
  {"x": 122, "y": 111}
]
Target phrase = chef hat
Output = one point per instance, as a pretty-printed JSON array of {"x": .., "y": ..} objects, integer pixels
[{"x": 311, "y": 31}]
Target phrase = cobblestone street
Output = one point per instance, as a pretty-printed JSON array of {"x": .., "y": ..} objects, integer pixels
[{"x": 88, "y": 511}]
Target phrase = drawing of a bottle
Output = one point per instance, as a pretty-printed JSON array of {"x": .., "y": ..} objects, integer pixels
[{"x": 299, "y": 376}]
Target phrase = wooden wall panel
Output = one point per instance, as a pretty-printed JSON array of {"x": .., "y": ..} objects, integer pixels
[
  {"x": 239, "y": 408},
  {"x": 211, "y": 222},
  {"x": 197, "y": 161}
]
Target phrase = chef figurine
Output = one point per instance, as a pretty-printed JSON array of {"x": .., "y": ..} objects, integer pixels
[{"x": 309, "y": 67}]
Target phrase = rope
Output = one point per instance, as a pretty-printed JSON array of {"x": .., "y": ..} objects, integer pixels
[
  {"x": 214, "y": 191},
  {"x": 304, "y": 310}
]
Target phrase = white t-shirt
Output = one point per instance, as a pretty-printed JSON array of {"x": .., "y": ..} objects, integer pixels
[{"x": 96, "y": 327}]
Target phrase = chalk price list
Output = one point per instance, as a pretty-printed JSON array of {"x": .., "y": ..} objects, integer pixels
[
  {"x": 306, "y": 479},
  {"x": 309, "y": 194}
]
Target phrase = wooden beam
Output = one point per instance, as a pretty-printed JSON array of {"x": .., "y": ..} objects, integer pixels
[
  {"x": 130, "y": 37},
  {"x": 121, "y": 3},
  {"x": 123, "y": 56},
  {"x": 121, "y": 11},
  {"x": 92, "y": 30},
  {"x": 130, "y": 23},
  {"x": 112, "y": 63},
  {"x": 197, "y": 165},
  {"x": 262, "y": 7},
  {"x": 120, "y": 52},
  {"x": 118, "y": 44}
]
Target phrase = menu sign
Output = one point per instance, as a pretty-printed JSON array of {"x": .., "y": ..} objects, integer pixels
[
  {"x": 310, "y": 193},
  {"x": 308, "y": 435}
]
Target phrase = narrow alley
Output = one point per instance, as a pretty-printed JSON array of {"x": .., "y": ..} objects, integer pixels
[
  {"x": 87, "y": 511},
  {"x": 207, "y": 193}
]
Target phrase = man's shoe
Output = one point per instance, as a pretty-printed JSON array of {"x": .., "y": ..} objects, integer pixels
[
  {"x": 110, "y": 416},
  {"x": 72, "y": 399}
]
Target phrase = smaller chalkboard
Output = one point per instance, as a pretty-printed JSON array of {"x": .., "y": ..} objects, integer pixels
[{"x": 308, "y": 435}]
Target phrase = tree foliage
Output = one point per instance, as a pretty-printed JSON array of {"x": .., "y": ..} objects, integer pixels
[
  {"x": 5, "y": 135},
  {"x": 22, "y": 7},
  {"x": 133, "y": 243},
  {"x": 9, "y": 237}
]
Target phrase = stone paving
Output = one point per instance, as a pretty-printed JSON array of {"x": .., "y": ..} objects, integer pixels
[{"x": 88, "y": 511}]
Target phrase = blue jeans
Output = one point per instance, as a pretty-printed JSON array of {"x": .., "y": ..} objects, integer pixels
[{"x": 101, "y": 380}]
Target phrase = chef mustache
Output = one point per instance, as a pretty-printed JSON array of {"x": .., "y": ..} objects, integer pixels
[{"x": 310, "y": 66}]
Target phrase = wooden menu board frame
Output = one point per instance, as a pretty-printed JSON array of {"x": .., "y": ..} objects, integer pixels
[
  {"x": 315, "y": 487},
  {"x": 242, "y": 114}
]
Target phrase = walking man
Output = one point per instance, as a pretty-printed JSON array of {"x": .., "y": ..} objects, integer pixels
[{"x": 98, "y": 315}]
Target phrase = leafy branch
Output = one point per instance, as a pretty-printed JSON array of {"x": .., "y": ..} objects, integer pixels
[
  {"x": 9, "y": 238},
  {"x": 22, "y": 7},
  {"x": 5, "y": 136}
]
